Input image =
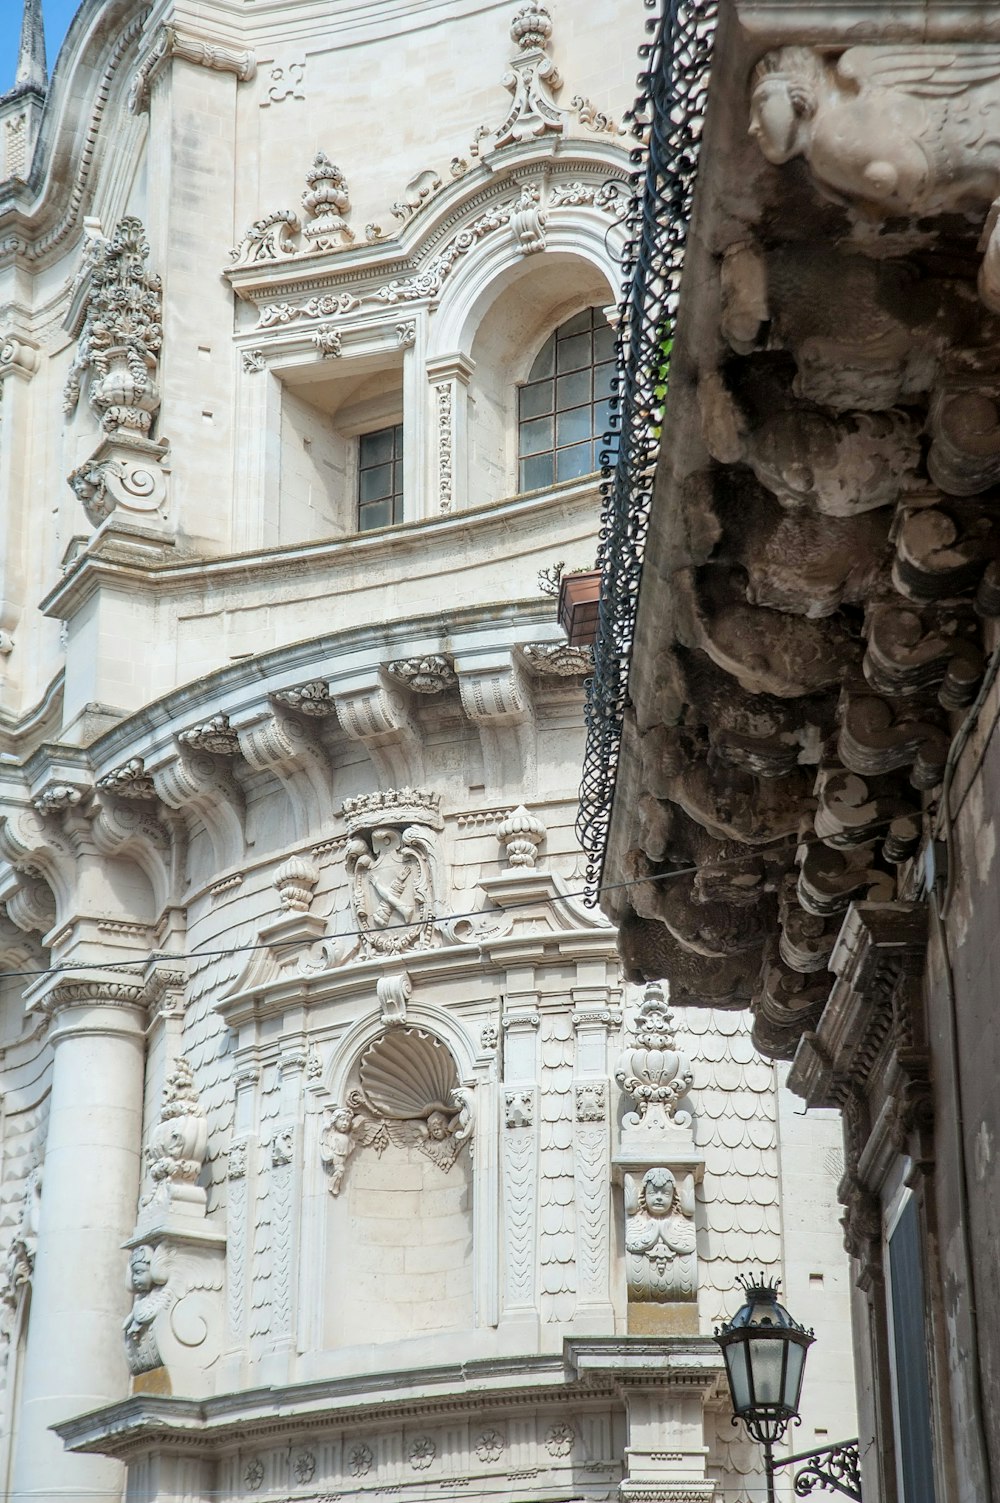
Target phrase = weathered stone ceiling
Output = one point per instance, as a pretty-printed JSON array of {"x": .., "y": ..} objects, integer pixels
[{"x": 821, "y": 578}]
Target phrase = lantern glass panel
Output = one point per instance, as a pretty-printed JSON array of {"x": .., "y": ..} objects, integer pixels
[
  {"x": 766, "y": 1354},
  {"x": 793, "y": 1374},
  {"x": 739, "y": 1374}
]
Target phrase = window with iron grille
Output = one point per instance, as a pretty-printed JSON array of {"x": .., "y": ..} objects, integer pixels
[
  {"x": 563, "y": 405},
  {"x": 380, "y": 478}
]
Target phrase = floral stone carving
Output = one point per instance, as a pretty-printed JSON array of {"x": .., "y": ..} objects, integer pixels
[
  {"x": 661, "y": 1257},
  {"x": 118, "y": 347},
  {"x": 654, "y": 1072},
  {"x": 898, "y": 130},
  {"x": 391, "y": 861},
  {"x": 177, "y": 1147}
]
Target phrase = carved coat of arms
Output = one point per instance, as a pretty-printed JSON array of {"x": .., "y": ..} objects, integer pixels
[{"x": 391, "y": 864}]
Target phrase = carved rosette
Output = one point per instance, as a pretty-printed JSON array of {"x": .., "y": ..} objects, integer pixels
[{"x": 654, "y": 1072}]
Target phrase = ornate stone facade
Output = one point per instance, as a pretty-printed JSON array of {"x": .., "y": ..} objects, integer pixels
[{"x": 309, "y": 1044}]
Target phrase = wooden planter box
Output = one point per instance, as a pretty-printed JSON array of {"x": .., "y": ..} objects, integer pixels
[{"x": 578, "y": 597}]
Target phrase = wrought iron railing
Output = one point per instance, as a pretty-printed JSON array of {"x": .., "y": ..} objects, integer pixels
[{"x": 668, "y": 116}]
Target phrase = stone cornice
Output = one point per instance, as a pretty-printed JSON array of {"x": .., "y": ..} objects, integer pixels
[
  {"x": 110, "y": 563},
  {"x": 588, "y": 1371},
  {"x": 265, "y": 995}
]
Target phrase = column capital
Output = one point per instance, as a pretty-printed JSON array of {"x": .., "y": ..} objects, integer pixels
[{"x": 92, "y": 1001}]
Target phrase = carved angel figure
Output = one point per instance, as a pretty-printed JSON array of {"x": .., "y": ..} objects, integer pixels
[
  {"x": 436, "y": 1135},
  {"x": 147, "y": 1281},
  {"x": 392, "y": 887},
  {"x": 337, "y": 1143},
  {"x": 912, "y": 130},
  {"x": 660, "y": 1243}
]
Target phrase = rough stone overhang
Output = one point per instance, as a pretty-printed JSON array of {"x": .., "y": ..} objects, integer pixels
[
  {"x": 588, "y": 1370},
  {"x": 821, "y": 584}
]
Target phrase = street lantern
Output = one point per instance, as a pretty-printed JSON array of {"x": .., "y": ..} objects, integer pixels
[{"x": 765, "y": 1353}]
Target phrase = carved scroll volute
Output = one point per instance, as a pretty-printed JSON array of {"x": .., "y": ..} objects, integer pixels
[
  {"x": 878, "y": 737},
  {"x": 292, "y": 750},
  {"x": 909, "y": 651},
  {"x": 964, "y": 456},
  {"x": 202, "y": 785},
  {"x": 940, "y": 551},
  {"x": 852, "y": 811},
  {"x": 830, "y": 879}
]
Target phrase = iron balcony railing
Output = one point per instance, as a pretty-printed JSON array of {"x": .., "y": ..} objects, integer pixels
[{"x": 668, "y": 117}]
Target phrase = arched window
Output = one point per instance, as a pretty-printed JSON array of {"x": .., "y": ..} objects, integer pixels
[{"x": 563, "y": 406}]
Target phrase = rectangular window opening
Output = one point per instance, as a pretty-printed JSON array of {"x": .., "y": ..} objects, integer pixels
[{"x": 380, "y": 478}]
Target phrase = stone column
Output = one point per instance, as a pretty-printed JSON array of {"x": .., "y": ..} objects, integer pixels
[{"x": 75, "y": 1359}]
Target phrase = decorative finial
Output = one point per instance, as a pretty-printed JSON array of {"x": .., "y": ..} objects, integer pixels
[
  {"x": 533, "y": 79},
  {"x": 31, "y": 70},
  {"x": 327, "y": 202},
  {"x": 531, "y": 27}
]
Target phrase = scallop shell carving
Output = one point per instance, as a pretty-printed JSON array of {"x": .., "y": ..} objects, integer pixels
[{"x": 407, "y": 1074}]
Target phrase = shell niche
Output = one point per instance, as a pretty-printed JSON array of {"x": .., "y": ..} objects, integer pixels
[{"x": 407, "y": 1074}]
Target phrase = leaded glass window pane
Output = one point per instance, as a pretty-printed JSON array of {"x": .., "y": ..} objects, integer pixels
[{"x": 578, "y": 357}]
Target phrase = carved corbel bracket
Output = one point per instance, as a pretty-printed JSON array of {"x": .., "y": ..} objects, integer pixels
[
  {"x": 123, "y": 829},
  {"x": 649, "y": 951},
  {"x": 176, "y": 1323},
  {"x": 942, "y": 548},
  {"x": 877, "y": 736},
  {"x": 765, "y": 651},
  {"x": 852, "y": 810},
  {"x": 18, "y": 357},
  {"x": 171, "y": 42},
  {"x": 202, "y": 787},
  {"x": 829, "y": 879},
  {"x": 292, "y": 750},
  {"x": 496, "y": 698},
  {"x": 378, "y": 716},
  {"x": 911, "y": 651}
]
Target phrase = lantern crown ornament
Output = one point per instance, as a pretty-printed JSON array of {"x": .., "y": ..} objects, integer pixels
[{"x": 765, "y": 1352}]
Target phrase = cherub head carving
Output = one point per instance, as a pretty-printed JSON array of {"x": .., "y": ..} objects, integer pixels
[
  {"x": 783, "y": 102},
  {"x": 656, "y": 1197}
]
